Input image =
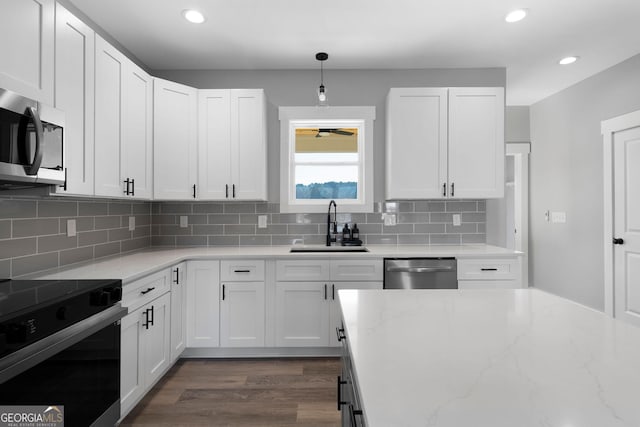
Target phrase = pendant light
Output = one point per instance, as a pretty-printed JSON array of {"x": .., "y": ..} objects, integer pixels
[{"x": 322, "y": 94}]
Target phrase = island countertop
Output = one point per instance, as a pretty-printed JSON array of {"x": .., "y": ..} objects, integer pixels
[{"x": 490, "y": 358}]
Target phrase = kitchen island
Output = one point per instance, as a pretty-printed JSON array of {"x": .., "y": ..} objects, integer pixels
[{"x": 494, "y": 358}]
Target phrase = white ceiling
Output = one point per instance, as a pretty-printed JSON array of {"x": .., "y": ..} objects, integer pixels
[{"x": 381, "y": 34}]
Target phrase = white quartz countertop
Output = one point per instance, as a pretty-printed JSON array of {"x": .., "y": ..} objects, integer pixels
[
  {"x": 503, "y": 358},
  {"x": 132, "y": 266}
]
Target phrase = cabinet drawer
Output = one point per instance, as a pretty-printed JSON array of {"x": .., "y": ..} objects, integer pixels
[
  {"x": 356, "y": 270},
  {"x": 489, "y": 269},
  {"x": 488, "y": 284},
  {"x": 303, "y": 270},
  {"x": 242, "y": 271},
  {"x": 144, "y": 290}
]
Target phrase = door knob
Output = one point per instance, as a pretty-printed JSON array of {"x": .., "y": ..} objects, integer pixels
[{"x": 618, "y": 241}]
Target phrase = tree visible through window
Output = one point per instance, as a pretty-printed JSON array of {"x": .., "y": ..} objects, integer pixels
[{"x": 326, "y": 163}]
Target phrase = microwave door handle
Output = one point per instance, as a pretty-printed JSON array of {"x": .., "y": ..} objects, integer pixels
[{"x": 33, "y": 168}]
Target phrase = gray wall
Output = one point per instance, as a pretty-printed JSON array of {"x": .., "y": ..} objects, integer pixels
[
  {"x": 566, "y": 175},
  {"x": 344, "y": 87},
  {"x": 33, "y": 231}
]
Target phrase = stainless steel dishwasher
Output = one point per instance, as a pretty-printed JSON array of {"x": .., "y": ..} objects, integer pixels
[{"x": 420, "y": 273}]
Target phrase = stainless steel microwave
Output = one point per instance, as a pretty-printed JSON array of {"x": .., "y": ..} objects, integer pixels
[{"x": 31, "y": 143}]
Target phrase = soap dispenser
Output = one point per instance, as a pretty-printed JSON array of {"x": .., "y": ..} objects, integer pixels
[{"x": 346, "y": 233}]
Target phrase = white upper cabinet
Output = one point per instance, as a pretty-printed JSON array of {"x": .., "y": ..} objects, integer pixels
[
  {"x": 27, "y": 46},
  {"x": 110, "y": 65},
  {"x": 175, "y": 141},
  {"x": 416, "y": 149},
  {"x": 445, "y": 143},
  {"x": 232, "y": 145},
  {"x": 74, "y": 94},
  {"x": 123, "y": 133},
  {"x": 476, "y": 142}
]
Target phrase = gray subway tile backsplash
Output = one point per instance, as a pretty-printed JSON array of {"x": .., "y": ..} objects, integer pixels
[{"x": 33, "y": 232}]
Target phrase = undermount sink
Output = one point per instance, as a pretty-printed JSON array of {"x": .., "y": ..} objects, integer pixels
[{"x": 318, "y": 248}]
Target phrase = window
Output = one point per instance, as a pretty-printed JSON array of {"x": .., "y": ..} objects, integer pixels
[{"x": 326, "y": 154}]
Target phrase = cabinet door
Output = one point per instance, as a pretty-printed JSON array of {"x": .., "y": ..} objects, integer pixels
[
  {"x": 74, "y": 94},
  {"x": 27, "y": 46},
  {"x": 248, "y": 144},
  {"x": 302, "y": 314},
  {"x": 137, "y": 138},
  {"x": 476, "y": 142},
  {"x": 175, "y": 140},
  {"x": 203, "y": 303},
  {"x": 242, "y": 321},
  {"x": 131, "y": 356},
  {"x": 178, "y": 310},
  {"x": 335, "y": 315},
  {"x": 109, "y": 70},
  {"x": 214, "y": 144},
  {"x": 157, "y": 354},
  {"x": 416, "y": 143}
]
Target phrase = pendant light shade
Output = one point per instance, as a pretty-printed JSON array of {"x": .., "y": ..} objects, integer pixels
[{"x": 322, "y": 93}]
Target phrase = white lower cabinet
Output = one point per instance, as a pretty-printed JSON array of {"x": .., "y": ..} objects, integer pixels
[
  {"x": 145, "y": 350},
  {"x": 203, "y": 303},
  {"x": 178, "y": 310},
  {"x": 242, "y": 321},
  {"x": 490, "y": 273},
  {"x": 302, "y": 314}
]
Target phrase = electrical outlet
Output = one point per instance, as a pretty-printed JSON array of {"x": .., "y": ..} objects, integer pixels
[
  {"x": 262, "y": 221},
  {"x": 184, "y": 221},
  {"x": 456, "y": 220},
  {"x": 389, "y": 219},
  {"x": 132, "y": 223},
  {"x": 71, "y": 228},
  {"x": 559, "y": 217}
]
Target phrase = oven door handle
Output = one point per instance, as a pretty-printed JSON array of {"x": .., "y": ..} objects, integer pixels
[
  {"x": 29, "y": 356},
  {"x": 418, "y": 269}
]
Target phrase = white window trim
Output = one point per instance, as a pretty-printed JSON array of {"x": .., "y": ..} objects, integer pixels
[{"x": 296, "y": 117}]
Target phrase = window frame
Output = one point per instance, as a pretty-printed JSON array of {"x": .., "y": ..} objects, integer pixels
[{"x": 292, "y": 118}]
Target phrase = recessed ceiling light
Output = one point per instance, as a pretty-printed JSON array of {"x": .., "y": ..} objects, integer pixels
[
  {"x": 568, "y": 60},
  {"x": 193, "y": 16},
  {"x": 516, "y": 15}
]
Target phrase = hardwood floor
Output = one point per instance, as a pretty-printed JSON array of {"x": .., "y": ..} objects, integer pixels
[{"x": 243, "y": 392}]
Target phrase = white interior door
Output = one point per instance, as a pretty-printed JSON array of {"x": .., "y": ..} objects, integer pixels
[{"x": 626, "y": 195}]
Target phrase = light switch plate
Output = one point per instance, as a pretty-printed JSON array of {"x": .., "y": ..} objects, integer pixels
[
  {"x": 184, "y": 221},
  {"x": 262, "y": 221},
  {"x": 71, "y": 228},
  {"x": 132, "y": 223},
  {"x": 389, "y": 219},
  {"x": 456, "y": 220},
  {"x": 559, "y": 217}
]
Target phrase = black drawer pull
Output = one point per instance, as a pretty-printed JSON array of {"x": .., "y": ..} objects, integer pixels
[
  {"x": 488, "y": 269},
  {"x": 147, "y": 291},
  {"x": 340, "y": 334},
  {"x": 177, "y": 279},
  {"x": 340, "y": 384},
  {"x": 242, "y": 271}
]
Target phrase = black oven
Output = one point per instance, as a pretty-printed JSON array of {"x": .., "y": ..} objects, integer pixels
[
  {"x": 60, "y": 346},
  {"x": 31, "y": 142}
]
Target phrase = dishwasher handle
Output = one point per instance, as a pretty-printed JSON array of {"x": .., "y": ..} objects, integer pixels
[{"x": 418, "y": 269}]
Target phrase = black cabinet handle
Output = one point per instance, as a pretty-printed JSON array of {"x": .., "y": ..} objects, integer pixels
[
  {"x": 152, "y": 315},
  {"x": 242, "y": 271},
  {"x": 444, "y": 189},
  {"x": 194, "y": 191},
  {"x": 226, "y": 191},
  {"x": 133, "y": 187},
  {"x": 339, "y": 400},
  {"x": 618, "y": 241},
  {"x": 64, "y": 186},
  {"x": 147, "y": 291},
  {"x": 488, "y": 269},
  {"x": 340, "y": 334},
  {"x": 353, "y": 413},
  {"x": 325, "y": 291},
  {"x": 452, "y": 188},
  {"x": 126, "y": 190},
  {"x": 146, "y": 319},
  {"x": 223, "y": 292},
  {"x": 234, "y": 190},
  {"x": 177, "y": 279},
  {"x": 333, "y": 291}
]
